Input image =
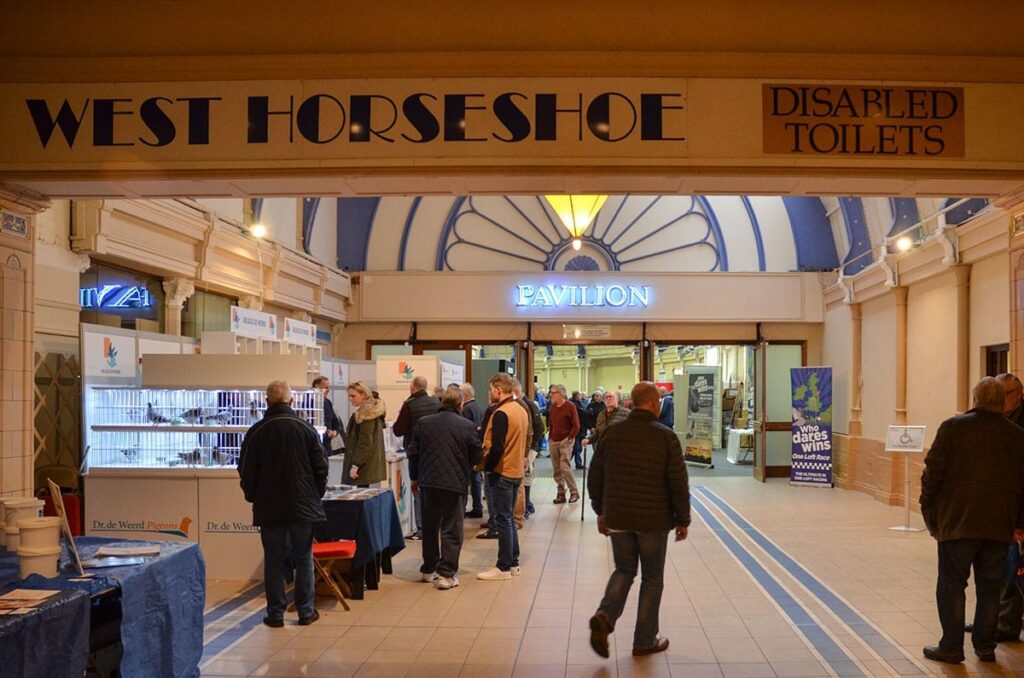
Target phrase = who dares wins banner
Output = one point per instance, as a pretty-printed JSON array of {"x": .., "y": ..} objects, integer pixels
[
  {"x": 699, "y": 404},
  {"x": 812, "y": 426}
]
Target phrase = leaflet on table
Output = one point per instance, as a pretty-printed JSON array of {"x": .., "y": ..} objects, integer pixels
[
  {"x": 23, "y": 601},
  {"x": 127, "y": 551}
]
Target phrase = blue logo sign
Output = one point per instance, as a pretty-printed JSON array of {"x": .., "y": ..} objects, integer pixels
[
  {"x": 115, "y": 297},
  {"x": 568, "y": 296}
]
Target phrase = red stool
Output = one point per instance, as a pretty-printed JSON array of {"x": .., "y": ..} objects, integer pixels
[
  {"x": 72, "y": 506},
  {"x": 332, "y": 559}
]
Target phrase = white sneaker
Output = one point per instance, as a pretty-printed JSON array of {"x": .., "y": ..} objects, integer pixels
[
  {"x": 494, "y": 574},
  {"x": 516, "y": 570},
  {"x": 445, "y": 583},
  {"x": 428, "y": 577}
]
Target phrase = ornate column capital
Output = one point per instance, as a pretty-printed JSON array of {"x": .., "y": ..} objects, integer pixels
[
  {"x": 251, "y": 302},
  {"x": 177, "y": 290}
]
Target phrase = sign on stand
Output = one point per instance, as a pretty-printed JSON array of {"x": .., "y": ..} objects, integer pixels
[
  {"x": 905, "y": 440},
  {"x": 109, "y": 355},
  {"x": 697, "y": 400},
  {"x": 811, "y": 462},
  {"x": 298, "y": 332}
]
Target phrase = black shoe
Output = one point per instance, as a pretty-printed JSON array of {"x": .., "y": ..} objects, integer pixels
[
  {"x": 310, "y": 619},
  {"x": 273, "y": 623},
  {"x": 475, "y": 514},
  {"x": 968, "y": 628},
  {"x": 659, "y": 646},
  {"x": 599, "y": 630},
  {"x": 487, "y": 535},
  {"x": 986, "y": 656},
  {"x": 935, "y": 654},
  {"x": 415, "y": 536}
]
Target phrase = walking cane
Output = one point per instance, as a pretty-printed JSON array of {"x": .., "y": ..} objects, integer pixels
[{"x": 583, "y": 501}]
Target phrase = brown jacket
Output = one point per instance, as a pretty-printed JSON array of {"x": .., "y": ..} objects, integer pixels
[{"x": 504, "y": 441}]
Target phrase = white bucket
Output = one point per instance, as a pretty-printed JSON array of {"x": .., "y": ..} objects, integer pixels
[
  {"x": 41, "y": 561},
  {"x": 39, "y": 533},
  {"x": 20, "y": 508},
  {"x": 12, "y": 538}
]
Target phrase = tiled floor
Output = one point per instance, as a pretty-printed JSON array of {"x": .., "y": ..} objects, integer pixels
[{"x": 773, "y": 581}]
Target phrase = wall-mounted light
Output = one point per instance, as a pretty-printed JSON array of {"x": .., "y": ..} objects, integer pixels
[
  {"x": 904, "y": 244},
  {"x": 258, "y": 231}
]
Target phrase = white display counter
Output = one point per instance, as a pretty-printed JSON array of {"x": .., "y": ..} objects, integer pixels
[
  {"x": 735, "y": 447},
  {"x": 180, "y": 504}
]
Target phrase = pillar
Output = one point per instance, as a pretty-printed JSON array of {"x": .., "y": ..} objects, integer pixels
[
  {"x": 856, "y": 426},
  {"x": 901, "y": 354},
  {"x": 963, "y": 336},
  {"x": 17, "y": 303},
  {"x": 176, "y": 291}
]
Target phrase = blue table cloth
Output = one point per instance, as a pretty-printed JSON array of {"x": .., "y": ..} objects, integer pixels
[
  {"x": 52, "y": 641},
  {"x": 373, "y": 523},
  {"x": 161, "y": 603}
]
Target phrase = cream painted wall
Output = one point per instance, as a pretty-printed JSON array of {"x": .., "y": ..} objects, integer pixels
[
  {"x": 990, "y": 308},
  {"x": 324, "y": 239},
  {"x": 230, "y": 208},
  {"x": 280, "y": 217},
  {"x": 836, "y": 345},
  {"x": 611, "y": 373},
  {"x": 879, "y": 365},
  {"x": 931, "y": 352},
  {"x": 57, "y": 277}
]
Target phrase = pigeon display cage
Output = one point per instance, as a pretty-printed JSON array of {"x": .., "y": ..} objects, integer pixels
[{"x": 172, "y": 428}]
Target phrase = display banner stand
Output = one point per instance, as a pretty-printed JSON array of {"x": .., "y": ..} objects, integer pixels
[
  {"x": 905, "y": 440},
  {"x": 811, "y": 455}
]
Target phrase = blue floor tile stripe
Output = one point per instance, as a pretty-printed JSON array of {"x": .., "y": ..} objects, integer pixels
[
  {"x": 232, "y": 635},
  {"x": 231, "y": 604},
  {"x": 841, "y": 662},
  {"x": 858, "y": 624}
]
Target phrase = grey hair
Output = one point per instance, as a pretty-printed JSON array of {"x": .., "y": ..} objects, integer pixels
[
  {"x": 468, "y": 391},
  {"x": 559, "y": 388},
  {"x": 278, "y": 392},
  {"x": 989, "y": 395},
  {"x": 452, "y": 397}
]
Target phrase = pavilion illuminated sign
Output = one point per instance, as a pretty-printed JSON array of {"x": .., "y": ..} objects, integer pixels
[
  {"x": 115, "y": 297},
  {"x": 582, "y": 296}
]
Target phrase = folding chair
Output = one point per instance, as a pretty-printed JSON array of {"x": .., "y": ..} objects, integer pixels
[{"x": 332, "y": 559}]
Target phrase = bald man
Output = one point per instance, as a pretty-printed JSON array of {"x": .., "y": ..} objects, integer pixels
[
  {"x": 640, "y": 492},
  {"x": 419, "y": 404}
]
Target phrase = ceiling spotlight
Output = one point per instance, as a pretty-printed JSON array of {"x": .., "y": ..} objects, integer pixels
[
  {"x": 258, "y": 231},
  {"x": 577, "y": 244},
  {"x": 904, "y": 244}
]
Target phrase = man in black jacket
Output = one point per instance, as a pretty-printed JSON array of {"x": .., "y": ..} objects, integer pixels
[
  {"x": 972, "y": 501},
  {"x": 418, "y": 405},
  {"x": 446, "y": 447},
  {"x": 284, "y": 475},
  {"x": 640, "y": 492},
  {"x": 472, "y": 411},
  {"x": 332, "y": 422}
]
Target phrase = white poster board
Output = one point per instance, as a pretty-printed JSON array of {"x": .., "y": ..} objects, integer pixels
[
  {"x": 905, "y": 439},
  {"x": 400, "y": 370},
  {"x": 164, "y": 509},
  {"x": 109, "y": 355},
  {"x": 230, "y": 543},
  {"x": 246, "y": 322},
  {"x": 452, "y": 373},
  {"x": 298, "y": 332}
]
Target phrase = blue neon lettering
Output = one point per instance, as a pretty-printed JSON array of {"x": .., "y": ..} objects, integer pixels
[{"x": 561, "y": 296}]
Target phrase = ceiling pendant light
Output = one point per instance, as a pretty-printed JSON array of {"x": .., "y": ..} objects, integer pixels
[{"x": 576, "y": 213}]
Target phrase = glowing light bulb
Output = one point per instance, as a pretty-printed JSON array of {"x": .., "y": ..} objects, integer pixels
[
  {"x": 904, "y": 244},
  {"x": 577, "y": 244},
  {"x": 258, "y": 231}
]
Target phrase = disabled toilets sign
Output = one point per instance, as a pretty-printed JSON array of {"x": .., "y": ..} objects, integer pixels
[{"x": 812, "y": 426}]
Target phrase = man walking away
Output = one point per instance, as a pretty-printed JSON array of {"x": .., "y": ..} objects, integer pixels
[
  {"x": 972, "y": 501},
  {"x": 446, "y": 447},
  {"x": 472, "y": 411},
  {"x": 640, "y": 492},
  {"x": 667, "y": 413},
  {"x": 535, "y": 439},
  {"x": 564, "y": 425},
  {"x": 284, "y": 475},
  {"x": 504, "y": 446},
  {"x": 419, "y": 404}
]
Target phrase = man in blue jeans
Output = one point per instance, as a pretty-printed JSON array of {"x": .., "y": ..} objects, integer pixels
[
  {"x": 640, "y": 492},
  {"x": 284, "y": 475},
  {"x": 504, "y": 448}
]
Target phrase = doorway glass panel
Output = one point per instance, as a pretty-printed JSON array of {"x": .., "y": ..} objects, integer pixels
[{"x": 587, "y": 368}]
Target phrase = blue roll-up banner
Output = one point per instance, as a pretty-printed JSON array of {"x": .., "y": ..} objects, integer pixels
[{"x": 812, "y": 426}]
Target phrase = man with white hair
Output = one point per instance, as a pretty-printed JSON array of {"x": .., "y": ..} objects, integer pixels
[
  {"x": 284, "y": 475},
  {"x": 972, "y": 501}
]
